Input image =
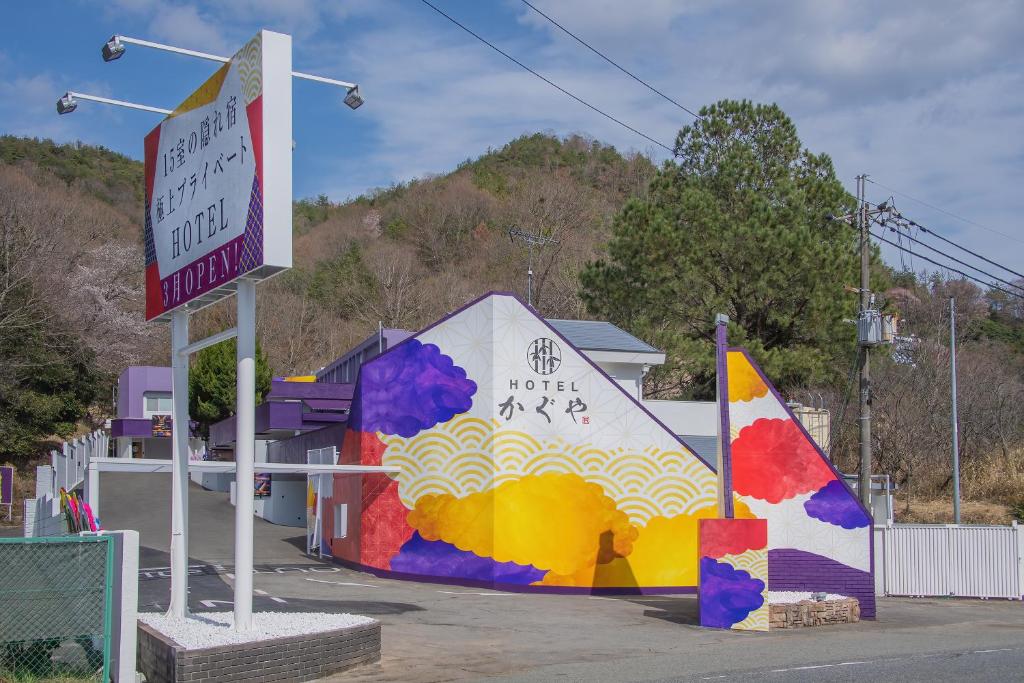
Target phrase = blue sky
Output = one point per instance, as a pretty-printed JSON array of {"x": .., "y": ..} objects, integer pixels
[{"x": 925, "y": 96}]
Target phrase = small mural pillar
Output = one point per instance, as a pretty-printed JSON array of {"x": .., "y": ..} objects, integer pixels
[{"x": 733, "y": 574}]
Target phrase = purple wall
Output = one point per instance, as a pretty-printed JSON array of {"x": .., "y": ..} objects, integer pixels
[
  {"x": 796, "y": 570},
  {"x": 134, "y": 382},
  {"x": 289, "y": 407}
]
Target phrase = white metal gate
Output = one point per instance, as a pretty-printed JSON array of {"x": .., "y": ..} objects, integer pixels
[
  {"x": 950, "y": 560},
  {"x": 318, "y": 487}
]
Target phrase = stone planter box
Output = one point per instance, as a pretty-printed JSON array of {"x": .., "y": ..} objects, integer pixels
[
  {"x": 808, "y": 613},
  {"x": 295, "y": 658}
]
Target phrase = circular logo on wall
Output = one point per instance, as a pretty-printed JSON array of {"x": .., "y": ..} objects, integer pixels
[{"x": 544, "y": 355}]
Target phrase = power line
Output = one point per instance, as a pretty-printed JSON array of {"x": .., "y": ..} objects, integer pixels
[
  {"x": 950, "y": 257},
  {"x": 611, "y": 61},
  {"x": 948, "y": 213},
  {"x": 961, "y": 248},
  {"x": 545, "y": 79},
  {"x": 942, "y": 265}
]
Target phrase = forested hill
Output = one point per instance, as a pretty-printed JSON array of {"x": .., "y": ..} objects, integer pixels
[{"x": 97, "y": 171}]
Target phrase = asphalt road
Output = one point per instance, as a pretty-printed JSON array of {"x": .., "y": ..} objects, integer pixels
[{"x": 439, "y": 633}]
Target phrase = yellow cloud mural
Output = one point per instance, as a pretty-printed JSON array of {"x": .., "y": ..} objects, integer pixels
[
  {"x": 745, "y": 384},
  {"x": 557, "y": 522},
  {"x": 664, "y": 554}
]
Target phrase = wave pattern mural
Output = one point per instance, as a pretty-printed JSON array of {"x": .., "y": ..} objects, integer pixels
[{"x": 468, "y": 455}]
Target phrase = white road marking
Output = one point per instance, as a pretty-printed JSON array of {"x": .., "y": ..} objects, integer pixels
[
  {"x": 342, "y": 583},
  {"x": 823, "y": 666},
  {"x": 472, "y": 593},
  {"x": 213, "y": 603},
  {"x": 257, "y": 591}
]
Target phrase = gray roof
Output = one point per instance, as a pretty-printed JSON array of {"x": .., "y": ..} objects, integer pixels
[
  {"x": 705, "y": 446},
  {"x": 596, "y": 335}
]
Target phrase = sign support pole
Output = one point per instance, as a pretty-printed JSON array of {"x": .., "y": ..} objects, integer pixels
[
  {"x": 245, "y": 452},
  {"x": 179, "y": 467}
]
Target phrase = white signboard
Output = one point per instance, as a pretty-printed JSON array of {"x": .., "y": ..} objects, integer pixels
[{"x": 219, "y": 182}]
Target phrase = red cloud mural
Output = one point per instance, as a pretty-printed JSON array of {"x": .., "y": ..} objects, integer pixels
[{"x": 773, "y": 460}]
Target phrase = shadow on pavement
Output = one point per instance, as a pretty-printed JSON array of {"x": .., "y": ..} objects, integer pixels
[{"x": 674, "y": 609}]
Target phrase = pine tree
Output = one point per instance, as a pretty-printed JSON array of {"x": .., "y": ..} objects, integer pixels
[{"x": 737, "y": 226}]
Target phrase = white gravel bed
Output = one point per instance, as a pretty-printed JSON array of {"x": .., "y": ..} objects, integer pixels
[
  {"x": 211, "y": 629},
  {"x": 779, "y": 597}
]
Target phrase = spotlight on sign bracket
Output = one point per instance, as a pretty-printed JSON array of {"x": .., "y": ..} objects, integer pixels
[
  {"x": 113, "y": 49},
  {"x": 66, "y": 104},
  {"x": 353, "y": 99}
]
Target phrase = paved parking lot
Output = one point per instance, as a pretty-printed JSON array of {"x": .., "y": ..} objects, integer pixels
[{"x": 438, "y": 633}]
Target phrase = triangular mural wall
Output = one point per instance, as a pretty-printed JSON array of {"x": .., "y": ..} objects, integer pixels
[
  {"x": 819, "y": 534},
  {"x": 523, "y": 465}
]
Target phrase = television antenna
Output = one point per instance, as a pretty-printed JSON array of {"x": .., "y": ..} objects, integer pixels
[{"x": 532, "y": 240}]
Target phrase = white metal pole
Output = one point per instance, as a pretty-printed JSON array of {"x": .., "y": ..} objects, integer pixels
[
  {"x": 119, "y": 103},
  {"x": 956, "y": 428},
  {"x": 179, "y": 465},
  {"x": 245, "y": 451},
  {"x": 223, "y": 60}
]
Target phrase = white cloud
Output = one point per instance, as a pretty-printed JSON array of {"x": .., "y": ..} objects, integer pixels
[{"x": 185, "y": 26}]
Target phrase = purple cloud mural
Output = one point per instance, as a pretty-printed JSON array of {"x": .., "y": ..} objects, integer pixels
[
  {"x": 437, "y": 558},
  {"x": 727, "y": 595},
  {"x": 832, "y": 503},
  {"x": 411, "y": 388}
]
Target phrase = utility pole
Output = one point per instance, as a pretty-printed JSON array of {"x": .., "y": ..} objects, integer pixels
[
  {"x": 869, "y": 324},
  {"x": 956, "y": 428},
  {"x": 864, "y": 480},
  {"x": 531, "y": 239}
]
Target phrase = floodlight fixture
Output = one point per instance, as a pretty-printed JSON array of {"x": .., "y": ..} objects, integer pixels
[
  {"x": 113, "y": 49},
  {"x": 353, "y": 99},
  {"x": 66, "y": 104}
]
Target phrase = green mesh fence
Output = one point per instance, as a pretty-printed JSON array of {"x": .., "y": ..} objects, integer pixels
[{"x": 55, "y": 608}]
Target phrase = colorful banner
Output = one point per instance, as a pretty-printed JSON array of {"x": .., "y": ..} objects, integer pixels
[
  {"x": 261, "y": 484},
  {"x": 162, "y": 426}
]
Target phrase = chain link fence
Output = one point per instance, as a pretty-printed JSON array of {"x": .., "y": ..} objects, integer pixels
[{"x": 56, "y": 602}]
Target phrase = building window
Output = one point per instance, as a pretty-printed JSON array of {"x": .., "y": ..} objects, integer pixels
[
  {"x": 341, "y": 520},
  {"x": 157, "y": 403}
]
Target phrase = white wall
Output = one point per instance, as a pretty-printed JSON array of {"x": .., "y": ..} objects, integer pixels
[
  {"x": 629, "y": 376},
  {"x": 156, "y": 448},
  {"x": 699, "y": 418},
  {"x": 286, "y": 504}
]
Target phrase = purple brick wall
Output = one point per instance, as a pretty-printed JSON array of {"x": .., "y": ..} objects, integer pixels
[{"x": 796, "y": 570}]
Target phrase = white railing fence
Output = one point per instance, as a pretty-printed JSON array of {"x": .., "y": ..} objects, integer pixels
[
  {"x": 67, "y": 470},
  {"x": 950, "y": 560}
]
